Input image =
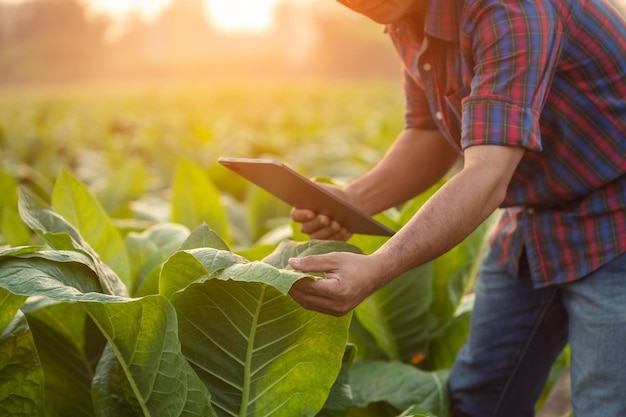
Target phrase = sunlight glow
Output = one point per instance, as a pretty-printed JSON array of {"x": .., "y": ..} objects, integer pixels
[
  {"x": 232, "y": 15},
  {"x": 118, "y": 8},
  {"x": 226, "y": 15}
]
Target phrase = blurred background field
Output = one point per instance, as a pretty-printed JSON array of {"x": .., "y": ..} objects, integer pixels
[
  {"x": 125, "y": 143},
  {"x": 120, "y": 92},
  {"x": 70, "y": 41}
]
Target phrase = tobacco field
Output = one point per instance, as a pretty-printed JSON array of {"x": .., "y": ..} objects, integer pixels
[{"x": 138, "y": 277}]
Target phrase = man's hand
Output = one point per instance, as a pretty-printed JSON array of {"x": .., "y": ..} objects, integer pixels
[
  {"x": 319, "y": 226},
  {"x": 350, "y": 279}
]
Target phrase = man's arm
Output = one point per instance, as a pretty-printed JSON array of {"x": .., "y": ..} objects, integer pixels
[
  {"x": 453, "y": 212},
  {"x": 416, "y": 161}
]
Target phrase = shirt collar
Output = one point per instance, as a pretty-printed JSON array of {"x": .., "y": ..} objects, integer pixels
[{"x": 442, "y": 19}]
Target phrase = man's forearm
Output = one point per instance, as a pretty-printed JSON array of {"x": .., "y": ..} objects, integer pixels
[
  {"x": 460, "y": 206},
  {"x": 415, "y": 162}
]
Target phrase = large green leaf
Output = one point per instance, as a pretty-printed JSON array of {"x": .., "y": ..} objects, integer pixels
[
  {"x": 74, "y": 201},
  {"x": 62, "y": 272},
  {"x": 398, "y": 315},
  {"x": 447, "y": 341},
  {"x": 110, "y": 388},
  {"x": 61, "y": 235},
  {"x": 454, "y": 272},
  {"x": 257, "y": 350},
  {"x": 340, "y": 399},
  {"x": 289, "y": 249},
  {"x": 9, "y": 304},
  {"x": 142, "y": 332},
  {"x": 69, "y": 346},
  {"x": 196, "y": 200},
  {"x": 21, "y": 375},
  {"x": 400, "y": 385},
  {"x": 204, "y": 237}
]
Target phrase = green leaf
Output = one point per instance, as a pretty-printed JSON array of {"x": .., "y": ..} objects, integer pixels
[
  {"x": 447, "y": 342},
  {"x": 204, "y": 237},
  {"x": 185, "y": 267},
  {"x": 416, "y": 411},
  {"x": 400, "y": 385},
  {"x": 9, "y": 305},
  {"x": 257, "y": 350},
  {"x": 31, "y": 272},
  {"x": 13, "y": 228},
  {"x": 69, "y": 346},
  {"x": 366, "y": 344},
  {"x": 21, "y": 375},
  {"x": 61, "y": 235},
  {"x": 196, "y": 200},
  {"x": 398, "y": 315},
  {"x": 256, "y": 252},
  {"x": 289, "y": 249},
  {"x": 110, "y": 388},
  {"x": 74, "y": 201},
  {"x": 340, "y": 399},
  {"x": 149, "y": 249},
  {"x": 454, "y": 272},
  {"x": 142, "y": 332}
]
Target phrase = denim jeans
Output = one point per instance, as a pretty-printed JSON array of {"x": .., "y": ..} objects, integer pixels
[{"x": 517, "y": 332}]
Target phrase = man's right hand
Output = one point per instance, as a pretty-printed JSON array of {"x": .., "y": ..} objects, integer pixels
[{"x": 320, "y": 226}]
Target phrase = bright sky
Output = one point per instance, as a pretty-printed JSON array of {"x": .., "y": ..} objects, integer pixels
[{"x": 231, "y": 15}]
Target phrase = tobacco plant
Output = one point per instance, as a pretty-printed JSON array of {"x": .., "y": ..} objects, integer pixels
[{"x": 166, "y": 320}]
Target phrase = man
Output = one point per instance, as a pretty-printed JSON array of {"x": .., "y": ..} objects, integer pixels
[{"x": 532, "y": 95}]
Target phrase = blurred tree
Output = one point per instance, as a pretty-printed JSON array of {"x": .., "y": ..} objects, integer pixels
[
  {"x": 173, "y": 45},
  {"x": 51, "y": 40},
  {"x": 56, "y": 40}
]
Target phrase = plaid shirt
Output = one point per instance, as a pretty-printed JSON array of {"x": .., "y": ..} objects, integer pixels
[{"x": 545, "y": 75}]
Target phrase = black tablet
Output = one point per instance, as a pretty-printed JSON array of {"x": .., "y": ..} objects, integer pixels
[{"x": 298, "y": 191}]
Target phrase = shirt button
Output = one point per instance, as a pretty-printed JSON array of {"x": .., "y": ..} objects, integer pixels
[
  {"x": 439, "y": 115},
  {"x": 427, "y": 66}
]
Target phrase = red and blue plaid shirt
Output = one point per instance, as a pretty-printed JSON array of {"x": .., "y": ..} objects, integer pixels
[{"x": 545, "y": 75}]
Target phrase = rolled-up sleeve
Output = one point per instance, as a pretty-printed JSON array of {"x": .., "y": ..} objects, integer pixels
[{"x": 514, "y": 47}]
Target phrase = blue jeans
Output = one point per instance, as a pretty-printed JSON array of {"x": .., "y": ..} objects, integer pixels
[{"x": 517, "y": 332}]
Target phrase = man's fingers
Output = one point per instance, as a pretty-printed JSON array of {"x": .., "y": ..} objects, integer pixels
[
  {"x": 302, "y": 215},
  {"x": 318, "y": 296},
  {"x": 312, "y": 263}
]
